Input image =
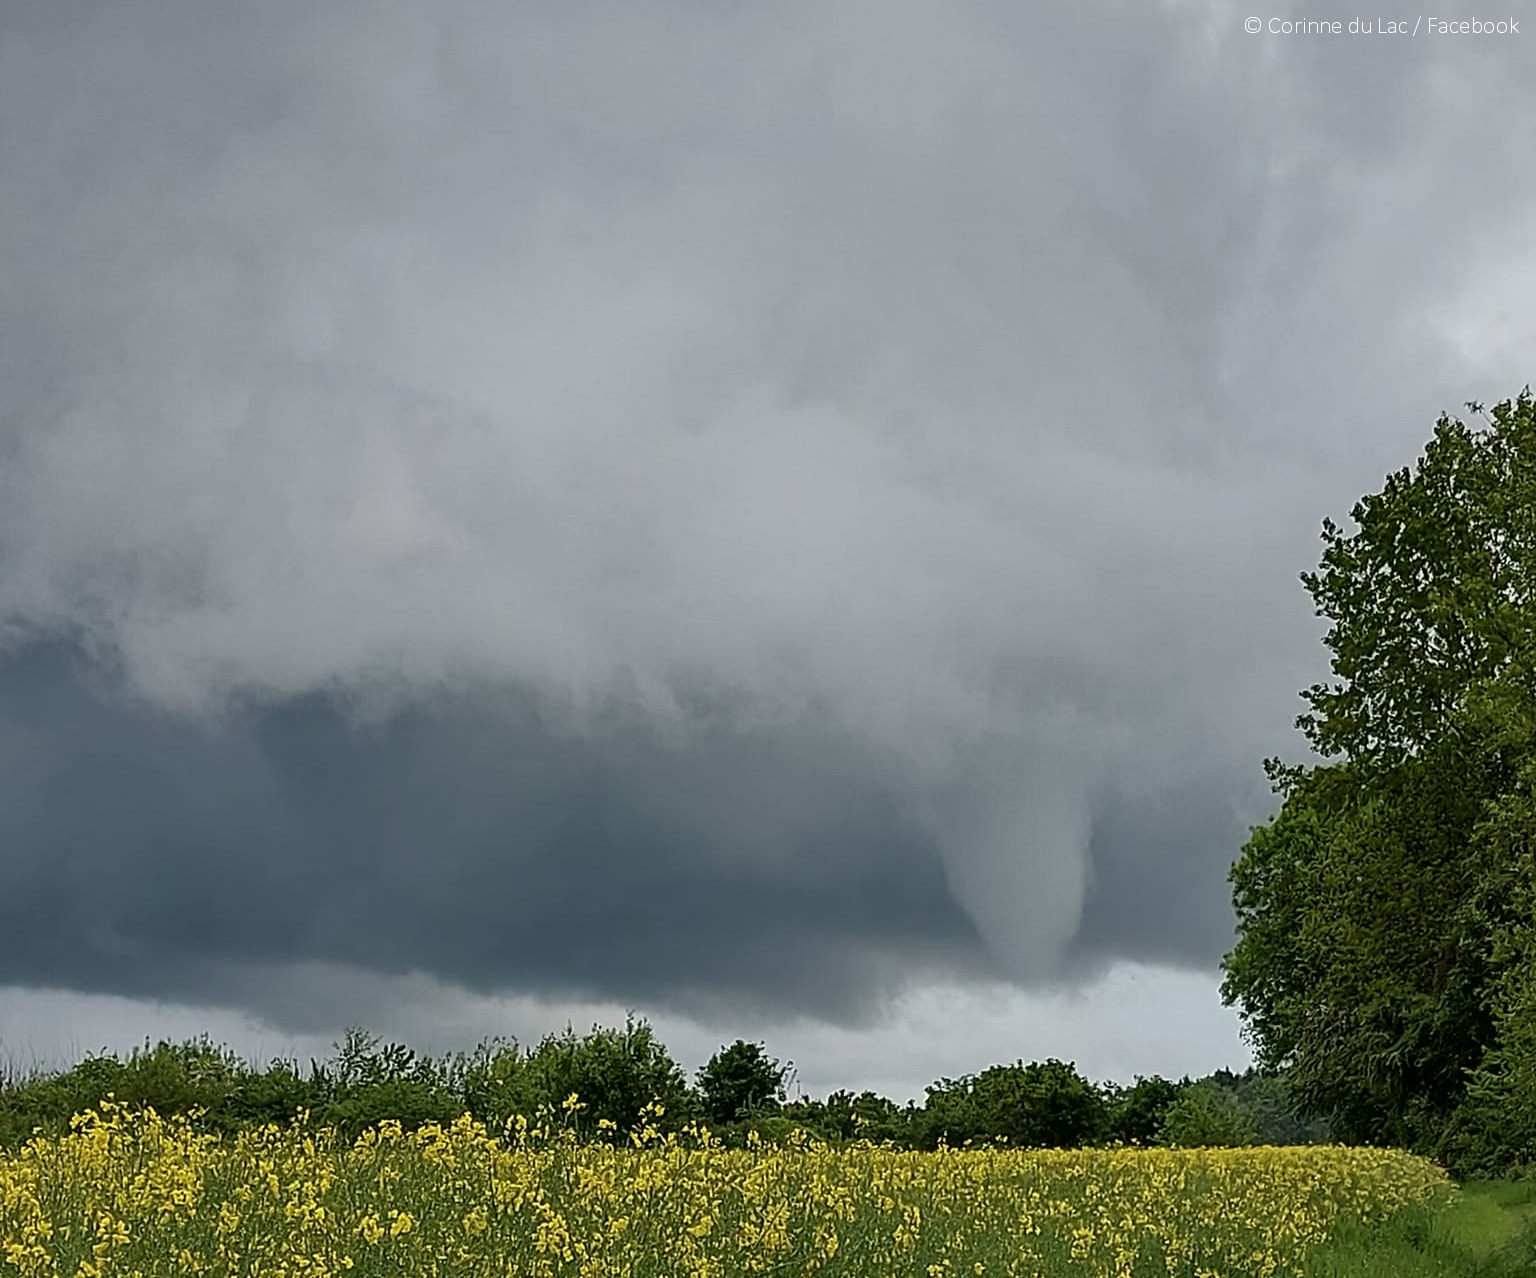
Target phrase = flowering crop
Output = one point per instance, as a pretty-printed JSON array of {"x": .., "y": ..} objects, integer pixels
[{"x": 128, "y": 1193}]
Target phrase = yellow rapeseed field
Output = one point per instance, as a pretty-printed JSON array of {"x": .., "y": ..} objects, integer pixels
[{"x": 131, "y": 1194}]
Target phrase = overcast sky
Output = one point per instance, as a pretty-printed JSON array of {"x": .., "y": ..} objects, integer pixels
[{"x": 784, "y": 517}]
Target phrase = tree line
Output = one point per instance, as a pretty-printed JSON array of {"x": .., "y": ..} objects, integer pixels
[
  {"x": 616, "y": 1073},
  {"x": 1384, "y": 964}
]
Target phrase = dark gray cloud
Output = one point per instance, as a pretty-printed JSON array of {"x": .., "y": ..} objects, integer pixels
[
  {"x": 472, "y": 843},
  {"x": 718, "y": 508}
]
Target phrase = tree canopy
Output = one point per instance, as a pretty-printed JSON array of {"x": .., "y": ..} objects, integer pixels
[
  {"x": 740, "y": 1080},
  {"x": 1384, "y": 915}
]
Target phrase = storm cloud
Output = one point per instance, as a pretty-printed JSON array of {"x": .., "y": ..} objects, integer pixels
[{"x": 715, "y": 507}]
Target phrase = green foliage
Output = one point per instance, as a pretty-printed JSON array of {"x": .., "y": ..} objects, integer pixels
[
  {"x": 1266, "y": 1100},
  {"x": 172, "y": 1078},
  {"x": 1135, "y": 1114},
  {"x": 739, "y": 1081},
  {"x": 614, "y": 1073},
  {"x": 1429, "y": 598},
  {"x": 1205, "y": 1113},
  {"x": 1047, "y": 1104},
  {"x": 1380, "y": 924},
  {"x": 370, "y": 1082},
  {"x": 1362, "y": 965},
  {"x": 1489, "y": 1231},
  {"x": 1495, "y": 1127},
  {"x": 844, "y": 1117},
  {"x": 274, "y": 1096},
  {"x": 494, "y": 1082},
  {"x": 1251, "y": 1108},
  {"x": 47, "y": 1102}
]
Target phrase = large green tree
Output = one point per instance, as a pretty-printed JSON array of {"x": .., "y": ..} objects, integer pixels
[
  {"x": 1042, "y": 1104},
  {"x": 1380, "y": 930},
  {"x": 741, "y": 1080}
]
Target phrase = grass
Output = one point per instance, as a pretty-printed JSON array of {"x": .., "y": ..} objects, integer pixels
[{"x": 1488, "y": 1232}]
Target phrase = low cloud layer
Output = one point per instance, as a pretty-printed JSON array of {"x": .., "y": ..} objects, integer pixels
[{"x": 717, "y": 509}]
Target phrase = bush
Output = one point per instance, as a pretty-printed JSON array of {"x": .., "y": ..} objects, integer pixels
[
  {"x": 1136, "y": 1114},
  {"x": 1205, "y": 1114},
  {"x": 615, "y": 1074},
  {"x": 740, "y": 1079}
]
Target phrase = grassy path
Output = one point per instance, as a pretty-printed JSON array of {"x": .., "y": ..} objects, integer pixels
[{"x": 1489, "y": 1232}]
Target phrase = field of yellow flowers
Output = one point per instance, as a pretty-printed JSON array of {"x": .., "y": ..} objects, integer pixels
[{"x": 130, "y": 1193}]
